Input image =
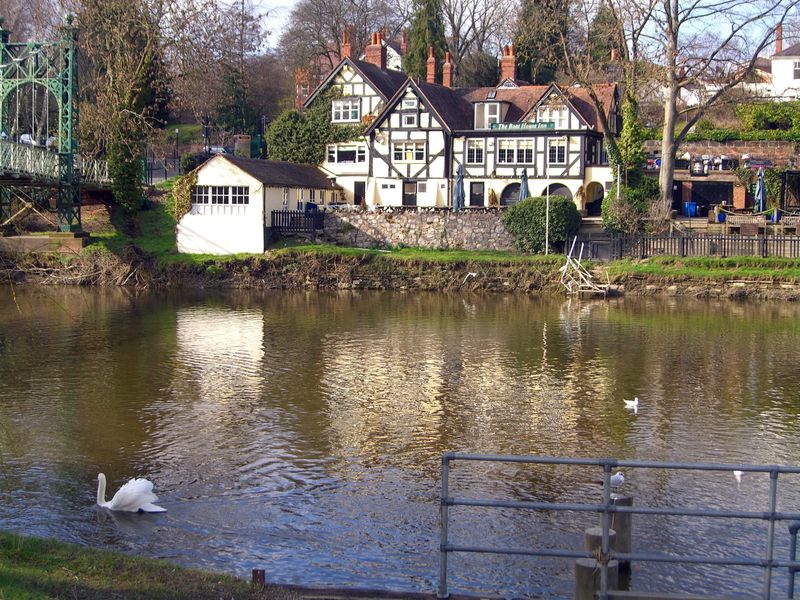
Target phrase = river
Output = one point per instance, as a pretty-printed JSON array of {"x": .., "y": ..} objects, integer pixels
[{"x": 302, "y": 432}]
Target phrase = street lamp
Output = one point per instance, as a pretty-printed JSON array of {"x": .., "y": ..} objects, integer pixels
[{"x": 177, "y": 131}]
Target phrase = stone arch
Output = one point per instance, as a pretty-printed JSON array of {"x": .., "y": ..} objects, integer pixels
[
  {"x": 510, "y": 195},
  {"x": 558, "y": 189},
  {"x": 593, "y": 199}
]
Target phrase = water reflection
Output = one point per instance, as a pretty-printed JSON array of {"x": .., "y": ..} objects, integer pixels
[{"x": 305, "y": 429}]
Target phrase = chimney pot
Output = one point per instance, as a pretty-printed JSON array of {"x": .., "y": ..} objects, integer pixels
[
  {"x": 508, "y": 63},
  {"x": 447, "y": 71},
  {"x": 375, "y": 53},
  {"x": 431, "y": 66},
  {"x": 346, "y": 49}
]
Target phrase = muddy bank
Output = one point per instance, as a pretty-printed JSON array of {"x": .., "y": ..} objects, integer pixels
[
  {"x": 292, "y": 271},
  {"x": 732, "y": 289},
  {"x": 283, "y": 271}
]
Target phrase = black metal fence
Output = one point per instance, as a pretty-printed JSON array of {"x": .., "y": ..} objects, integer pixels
[
  {"x": 297, "y": 221},
  {"x": 722, "y": 246}
]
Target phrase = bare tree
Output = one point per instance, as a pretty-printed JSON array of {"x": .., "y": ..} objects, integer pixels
[
  {"x": 475, "y": 26},
  {"x": 709, "y": 43}
]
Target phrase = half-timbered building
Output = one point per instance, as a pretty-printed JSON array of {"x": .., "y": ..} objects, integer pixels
[{"x": 418, "y": 133}]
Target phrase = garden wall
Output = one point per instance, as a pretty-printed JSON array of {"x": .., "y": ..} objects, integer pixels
[
  {"x": 473, "y": 229},
  {"x": 780, "y": 152}
]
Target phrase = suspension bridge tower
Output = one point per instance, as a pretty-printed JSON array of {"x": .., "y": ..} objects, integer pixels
[{"x": 39, "y": 124}]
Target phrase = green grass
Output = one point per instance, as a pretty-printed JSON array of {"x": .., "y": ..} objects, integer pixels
[
  {"x": 707, "y": 268},
  {"x": 188, "y": 133},
  {"x": 32, "y": 568}
]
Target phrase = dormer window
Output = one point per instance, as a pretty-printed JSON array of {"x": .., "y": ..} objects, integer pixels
[
  {"x": 346, "y": 111},
  {"x": 486, "y": 114}
]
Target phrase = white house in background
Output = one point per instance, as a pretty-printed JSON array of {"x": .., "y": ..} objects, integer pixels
[{"x": 233, "y": 199}]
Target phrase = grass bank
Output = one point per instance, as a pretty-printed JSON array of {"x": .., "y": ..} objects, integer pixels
[{"x": 32, "y": 568}]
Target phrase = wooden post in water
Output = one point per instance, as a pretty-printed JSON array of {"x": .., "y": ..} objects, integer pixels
[
  {"x": 622, "y": 524},
  {"x": 587, "y": 570},
  {"x": 259, "y": 578}
]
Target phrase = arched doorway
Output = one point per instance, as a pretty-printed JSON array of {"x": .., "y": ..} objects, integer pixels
[
  {"x": 558, "y": 189},
  {"x": 593, "y": 199},
  {"x": 510, "y": 195}
]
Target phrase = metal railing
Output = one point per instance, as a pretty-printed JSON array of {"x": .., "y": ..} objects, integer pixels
[
  {"x": 768, "y": 562},
  {"x": 297, "y": 221},
  {"x": 43, "y": 164}
]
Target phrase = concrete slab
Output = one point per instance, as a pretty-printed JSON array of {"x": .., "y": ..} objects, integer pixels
[{"x": 66, "y": 243}]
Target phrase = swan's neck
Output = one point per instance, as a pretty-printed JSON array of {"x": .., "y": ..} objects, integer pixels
[{"x": 101, "y": 489}]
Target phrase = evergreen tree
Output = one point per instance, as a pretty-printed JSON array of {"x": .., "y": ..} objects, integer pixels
[
  {"x": 427, "y": 29},
  {"x": 541, "y": 26},
  {"x": 603, "y": 32}
]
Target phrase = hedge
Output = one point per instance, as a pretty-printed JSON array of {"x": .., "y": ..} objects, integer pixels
[{"x": 526, "y": 220}]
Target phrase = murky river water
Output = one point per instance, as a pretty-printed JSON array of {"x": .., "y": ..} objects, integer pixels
[{"x": 302, "y": 433}]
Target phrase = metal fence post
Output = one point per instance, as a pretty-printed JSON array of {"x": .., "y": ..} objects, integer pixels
[
  {"x": 773, "y": 502},
  {"x": 793, "y": 528},
  {"x": 444, "y": 516}
]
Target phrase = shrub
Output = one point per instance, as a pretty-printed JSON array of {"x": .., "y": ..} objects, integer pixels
[
  {"x": 625, "y": 215},
  {"x": 780, "y": 116},
  {"x": 526, "y": 221},
  {"x": 188, "y": 162}
]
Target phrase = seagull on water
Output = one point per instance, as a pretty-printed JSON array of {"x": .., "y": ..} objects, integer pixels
[
  {"x": 632, "y": 404},
  {"x": 738, "y": 475}
]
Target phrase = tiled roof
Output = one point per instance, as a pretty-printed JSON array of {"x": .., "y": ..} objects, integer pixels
[
  {"x": 448, "y": 104},
  {"x": 520, "y": 100},
  {"x": 790, "y": 51},
  {"x": 280, "y": 173}
]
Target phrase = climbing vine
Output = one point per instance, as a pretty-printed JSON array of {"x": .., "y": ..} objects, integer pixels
[{"x": 182, "y": 194}]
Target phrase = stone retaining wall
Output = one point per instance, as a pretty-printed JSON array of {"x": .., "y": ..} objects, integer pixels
[
  {"x": 473, "y": 229},
  {"x": 780, "y": 152}
]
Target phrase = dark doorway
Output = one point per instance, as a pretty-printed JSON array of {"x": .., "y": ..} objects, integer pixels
[
  {"x": 510, "y": 195},
  {"x": 409, "y": 193},
  {"x": 476, "y": 189},
  {"x": 708, "y": 193},
  {"x": 359, "y": 193}
]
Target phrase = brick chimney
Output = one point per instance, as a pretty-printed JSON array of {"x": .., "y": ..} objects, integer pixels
[
  {"x": 375, "y": 53},
  {"x": 447, "y": 71},
  {"x": 508, "y": 63},
  {"x": 346, "y": 49},
  {"x": 431, "y": 67},
  {"x": 779, "y": 38},
  {"x": 403, "y": 43}
]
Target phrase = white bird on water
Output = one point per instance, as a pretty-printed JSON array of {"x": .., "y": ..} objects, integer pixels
[
  {"x": 738, "y": 475},
  {"x": 617, "y": 479},
  {"x": 634, "y": 404},
  {"x": 136, "y": 495}
]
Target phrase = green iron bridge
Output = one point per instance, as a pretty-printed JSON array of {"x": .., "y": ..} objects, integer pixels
[{"x": 38, "y": 101}]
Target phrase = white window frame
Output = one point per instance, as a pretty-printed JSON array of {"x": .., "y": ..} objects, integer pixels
[
  {"x": 347, "y": 110},
  {"x": 409, "y": 104},
  {"x": 408, "y": 119},
  {"x": 422, "y": 187},
  {"x": 409, "y": 152},
  {"x": 558, "y": 115},
  {"x": 240, "y": 194},
  {"x": 492, "y": 114},
  {"x": 555, "y": 144},
  {"x": 220, "y": 194},
  {"x": 475, "y": 152},
  {"x": 201, "y": 194},
  {"x": 333, "y": 150},
  {"x": 512, "y": 148}
]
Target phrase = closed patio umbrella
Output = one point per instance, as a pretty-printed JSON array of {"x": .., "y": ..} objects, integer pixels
[
  {"x": 458, "y": 192},
  {"x": 761, "y": 193},
  {"x": 524, "y": 192}
]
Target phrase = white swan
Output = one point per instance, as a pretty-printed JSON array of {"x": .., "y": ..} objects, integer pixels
[
  {"x": 136, "y": 495},
  {"x": 634, "y": 404}
]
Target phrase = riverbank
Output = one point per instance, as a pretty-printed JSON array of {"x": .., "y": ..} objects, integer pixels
[
  {"x": 146, "y": 258},
  {"x": 33, "y": 568}
]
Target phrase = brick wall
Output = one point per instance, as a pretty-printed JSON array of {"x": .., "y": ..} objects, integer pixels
[
  {"x": 780, "y": 152},
  {"x": 473, "y": 229}
]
